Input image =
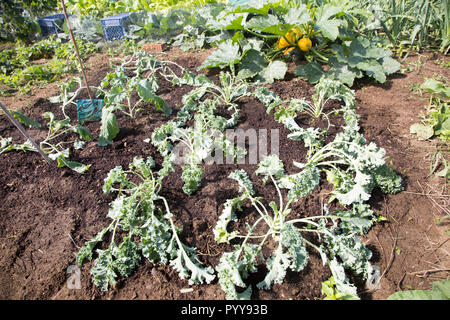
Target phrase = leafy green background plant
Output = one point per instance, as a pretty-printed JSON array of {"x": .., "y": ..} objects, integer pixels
[
  {"x": 18, "y": 18},
  {"x": 22, "y": 67},
  {"x": 440, "y": 291},
  {"x": 436, "y": 124}
]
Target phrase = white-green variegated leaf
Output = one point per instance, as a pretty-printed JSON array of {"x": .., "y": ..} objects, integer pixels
[
  {"x": 192, "y": 176},
  {"x": 244, "y": 182},
  {"x": 127, "y": 256},
  {"x": 221, "y": 234},
  {"x": 87, "y": 250},
  {"x": 78, "y": 145},
  {"x": 115, "y": 211},
  {"x": 343, "y": 284},
  {"x": 292, "y": 240},
  {"x": 310, "y": 137},
  {"x": 144, "y": 166},
  {"x": 358, "y": 220},
  {"x": 352, "y": 252},
  {"x": 103, "y": 274},
  {"x": 265, "y": 96},
  {"x": 301, "y": 184},
  {"x": 234, "y": 267},
  {"x": 277, "y": 266},
  {"x": 270, "y": 166},
  {"x": 188, "y": 269},
  {"x": 358, "y": 193}
]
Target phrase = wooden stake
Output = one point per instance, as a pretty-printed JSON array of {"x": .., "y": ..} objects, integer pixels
[
  {"x": 25, "y": 134},
  {"x": 76, "y": 50}
]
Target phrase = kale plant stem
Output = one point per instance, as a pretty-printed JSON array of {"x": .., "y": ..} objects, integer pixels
[{"x": 279, "y": 193}]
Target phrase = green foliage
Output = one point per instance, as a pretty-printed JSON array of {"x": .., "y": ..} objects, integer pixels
[
  {"x": 329, "y": 289},
  {"x": 361, "y": 57},
  {"x": 19, "y": 69},
  {"x": 422, "y": 23},
  {"x": 6, "y": 145},
  {"x": 25, "y": 120},
  {"x": 226, "y": 55},
  {"x": 245, "y": 36},
  {"x": 436, "y": 160},
  {"x": 18, "y": 18},
  {"x": 331, "y": 26},
  {"x": 234, "y": 267},
  {"x": 387, "y": 180},
  {"x": 109, "y": 128},
  {"x": 105, "y": 8},
  {"x": 353, "y": 167},
  {"x": 102, "y": 8},
  {"x": 339, "y": 238},
  {"x": 118, "y": 88},
  {"x": 198, "y": 143},
  {"x": 192, "y": 176},
  {"x": 52, "y": 144},
  {"x": 437, "y": 121},
  {"x": 440, "y": 291},
  {"x": 365, "y": 164}
]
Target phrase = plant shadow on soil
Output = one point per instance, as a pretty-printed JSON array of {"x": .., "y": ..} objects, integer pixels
[{"x": 48, "y": 213}]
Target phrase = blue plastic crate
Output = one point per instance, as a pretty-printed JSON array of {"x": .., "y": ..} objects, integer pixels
[
  {"x": 52, "y": 24},
  {"x": 113, "y": 27}
]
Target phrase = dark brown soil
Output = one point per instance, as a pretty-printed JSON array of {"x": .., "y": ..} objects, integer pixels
[{"x": 48, "y": 213}]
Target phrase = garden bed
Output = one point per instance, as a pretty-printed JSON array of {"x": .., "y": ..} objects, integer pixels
[{"x": 48, "y": 213}]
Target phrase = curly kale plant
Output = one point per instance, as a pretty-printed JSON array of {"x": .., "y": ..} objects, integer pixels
[
  {"x": 338, "y": 233},
  {"x": 145, "y": 223},
  {"x": 354, "y": 168}
]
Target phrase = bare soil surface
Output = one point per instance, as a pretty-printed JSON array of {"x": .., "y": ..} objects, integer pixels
[{"x": 47, "y": 213}]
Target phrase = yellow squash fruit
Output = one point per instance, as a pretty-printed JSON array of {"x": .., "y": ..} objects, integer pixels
[
  {"x": 282, "y": 43},
  {"x": 304, "y": 44},
  {"x": 290, "y": 38},
  {"x": 285, "y": 52}
]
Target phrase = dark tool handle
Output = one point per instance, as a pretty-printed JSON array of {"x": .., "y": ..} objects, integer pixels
[
  {"x": 76, "y": 49},
  {"x": 26, "y": 135}
]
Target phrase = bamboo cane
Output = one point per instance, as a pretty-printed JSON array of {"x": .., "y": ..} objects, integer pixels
[
  {"x": 76, "y": 50},
  {"x": 25, "y": 134}
]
